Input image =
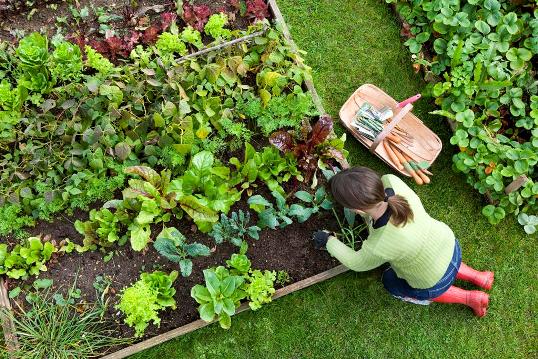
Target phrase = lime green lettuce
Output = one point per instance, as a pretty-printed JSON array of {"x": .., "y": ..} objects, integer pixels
[
  {"x": 170, "y": 43},
  {"x": 142, "y": 301},
  {"x": 192, "y": 36},
  {"x": 26, "y": 259},
  {"x": 66, "y": 62},
  {"x": 260, "y": 288},
  {"x": 215, "y": 27}
]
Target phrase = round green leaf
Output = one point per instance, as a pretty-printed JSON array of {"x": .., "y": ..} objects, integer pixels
[{"x": 482, "y": 26}]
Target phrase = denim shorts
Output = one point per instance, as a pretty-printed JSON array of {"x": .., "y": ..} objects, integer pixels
[{"x": 400, "y": 288}]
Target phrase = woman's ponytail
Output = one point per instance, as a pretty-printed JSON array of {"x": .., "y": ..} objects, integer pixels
[{"x": 401, "y": 210}]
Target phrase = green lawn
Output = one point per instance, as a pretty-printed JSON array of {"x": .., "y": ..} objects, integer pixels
[{"x": 350, "y": 43}]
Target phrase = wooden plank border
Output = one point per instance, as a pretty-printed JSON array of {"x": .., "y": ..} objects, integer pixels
[
  {"x": 279, "y": 20},
  {"x": 159, "y": 339},
  {"x": 8, "y": 326}
]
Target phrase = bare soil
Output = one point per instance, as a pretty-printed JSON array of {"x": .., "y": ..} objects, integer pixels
[{"x": 289, "y": 249}]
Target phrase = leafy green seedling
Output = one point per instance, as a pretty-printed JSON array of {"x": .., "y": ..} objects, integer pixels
[
  {"x": 314, "y": 203},
  {"x": 171, "y": 244},
  {"x": 220, "y": 296},
  {"x": 234, "y": 228},
  {"x": 268, "y": 215}
]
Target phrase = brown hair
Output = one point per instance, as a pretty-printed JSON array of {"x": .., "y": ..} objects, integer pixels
[{"x": 361, "y": 188}]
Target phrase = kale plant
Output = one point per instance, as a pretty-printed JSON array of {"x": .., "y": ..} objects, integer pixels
[
  {"x": 172, "y": 245},
  {"x": 268, "y": 215},
  {"x": 313, "y": 204},
  {"x": 234, "y": 228}
]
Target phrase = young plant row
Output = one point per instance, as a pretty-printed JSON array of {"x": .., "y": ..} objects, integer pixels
[
  {"x": 73, "y": 122},
  {"x": 483, "y": 52}
]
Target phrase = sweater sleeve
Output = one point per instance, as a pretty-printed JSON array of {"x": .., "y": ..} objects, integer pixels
[{"x": 359, "y": 261}]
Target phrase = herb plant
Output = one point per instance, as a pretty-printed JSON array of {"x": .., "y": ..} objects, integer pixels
[{"x": 45, "y": 329}]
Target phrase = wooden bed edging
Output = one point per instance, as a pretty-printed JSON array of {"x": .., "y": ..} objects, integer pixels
[
  {"x": 159, "y": 339},
  {"x": 7, "y": 323},
  {"x": 279, "y": 19}
]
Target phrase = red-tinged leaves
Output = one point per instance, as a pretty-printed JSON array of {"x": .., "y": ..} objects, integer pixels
[
  {"x": 196, "y": 15},
  {"x": 321, "y": 130},
  {"x": 150, "y": 34},
  {"x": 308, "y": 150},
  {"x": 282, "y": 140},
  {"x": 100, "y": 46},
  {"x": 116, "y": 46},
  {"x": 167, "y": 18},
  {"x": 132, "y": 39},
  {"x": 338, "y": 156},
  {"x": 257, "y": 9}
]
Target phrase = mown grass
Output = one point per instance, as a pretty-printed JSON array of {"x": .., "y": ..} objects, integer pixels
[{"x": 350, "y": 43}]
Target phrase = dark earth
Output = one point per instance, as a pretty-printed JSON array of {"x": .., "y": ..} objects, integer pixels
[{"x": 289, "y": 249}]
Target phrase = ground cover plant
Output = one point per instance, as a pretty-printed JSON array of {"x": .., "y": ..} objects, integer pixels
[
  {"x": 136, "y": 163},
  {"x": 483, "y": 53}
]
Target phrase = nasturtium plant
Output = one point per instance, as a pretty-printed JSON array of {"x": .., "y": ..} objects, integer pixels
[{"x": 484, "y": 60}]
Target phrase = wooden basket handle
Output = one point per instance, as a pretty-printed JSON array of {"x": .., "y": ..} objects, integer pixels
[{"x": 399, "y": 116}]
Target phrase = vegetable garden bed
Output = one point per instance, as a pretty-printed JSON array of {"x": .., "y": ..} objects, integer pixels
[{"x": 154, "y": 202}]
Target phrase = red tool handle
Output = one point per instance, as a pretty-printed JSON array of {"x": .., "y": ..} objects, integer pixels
[{"x": 409, "y": 100}]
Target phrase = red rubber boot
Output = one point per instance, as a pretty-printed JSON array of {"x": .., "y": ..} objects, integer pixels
[
  {"x": 481, "y": 279},
  {"x": 477, "y": 300}
]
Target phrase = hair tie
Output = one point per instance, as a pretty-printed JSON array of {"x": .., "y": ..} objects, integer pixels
[{"x": 386, "y": 198}]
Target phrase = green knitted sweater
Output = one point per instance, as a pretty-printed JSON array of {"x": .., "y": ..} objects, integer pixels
[{"x": 419, "y": 252}]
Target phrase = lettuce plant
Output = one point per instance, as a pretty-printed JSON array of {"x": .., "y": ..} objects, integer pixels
[
  {"x": 215, "y": 27},
  {"x": 26, "y": 259},
  {"x": 66, "y": 62},
  {"x": 33, "y": 51},
  {"x": 220, "y": 296},
  {"x": 141, "y": 302},
  {"x": 168, "y": 43},
  {"x": 260, "y": 288},
  {"x": 192, "y": 36}
]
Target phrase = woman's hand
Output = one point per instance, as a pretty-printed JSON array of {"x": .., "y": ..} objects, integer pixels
[{"x": 320, "y": 238}]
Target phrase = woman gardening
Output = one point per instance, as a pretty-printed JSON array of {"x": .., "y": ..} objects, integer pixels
[{"x": 424, "y": 256}]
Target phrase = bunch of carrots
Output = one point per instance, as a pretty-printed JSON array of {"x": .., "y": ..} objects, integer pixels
[{"x": 403, "y": 162}]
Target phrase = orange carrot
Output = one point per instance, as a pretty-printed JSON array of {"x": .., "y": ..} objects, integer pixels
[
  {"x": 408, "y": 167},
  {"x": 392, "y": 155}
]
